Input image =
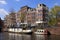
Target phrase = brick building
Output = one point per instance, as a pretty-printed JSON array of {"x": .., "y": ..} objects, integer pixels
[
  {"x": 30, "y": 16},
  {"x": 33, "y": 16},
  {"x": 10, "y": 20},
  {"x": 42, "y": 15},
  {"x": 22, "y": 13}
]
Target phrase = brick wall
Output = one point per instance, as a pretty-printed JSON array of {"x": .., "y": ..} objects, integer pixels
[{"x": 55, "y": 31}]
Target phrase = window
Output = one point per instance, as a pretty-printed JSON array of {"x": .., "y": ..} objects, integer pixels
[
  {"x": 39, "y": 14},
  {"x": 40, "y": 10},
  {"x": 40, "y": 4},
  {"x": 41, "y": 31},
  {"x": 58, "y": 15}
]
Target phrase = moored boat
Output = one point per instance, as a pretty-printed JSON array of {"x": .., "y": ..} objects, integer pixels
[
  {"x": 20, "y": 30},
  {"x": 27, "y": 31},
  {"x": 41, "y": 31}
]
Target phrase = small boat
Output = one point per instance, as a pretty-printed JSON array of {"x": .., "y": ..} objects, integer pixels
[{"x": 41, "y": 31}]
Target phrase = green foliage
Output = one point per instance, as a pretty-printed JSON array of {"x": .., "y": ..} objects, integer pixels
[
  {"x": 52, "y": 21},
  {"x": 53, "y": 15},
  {"x": 22, "y": 17}
]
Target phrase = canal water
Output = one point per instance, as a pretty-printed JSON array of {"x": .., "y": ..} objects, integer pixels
[{"x": 14, "y": 36}]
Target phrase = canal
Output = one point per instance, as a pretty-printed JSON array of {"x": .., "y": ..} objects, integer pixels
[{"x": 14, "y": 36}]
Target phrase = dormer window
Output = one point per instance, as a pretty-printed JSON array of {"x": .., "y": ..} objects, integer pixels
[{"x": 40, "y": 4}]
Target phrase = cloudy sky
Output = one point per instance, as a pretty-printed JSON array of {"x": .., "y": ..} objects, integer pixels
[{"x": 6, "y": 5}]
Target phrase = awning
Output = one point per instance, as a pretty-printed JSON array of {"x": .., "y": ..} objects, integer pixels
[
  {"x": 39, "y": 21},
  {"x": 23, "y": 23}
]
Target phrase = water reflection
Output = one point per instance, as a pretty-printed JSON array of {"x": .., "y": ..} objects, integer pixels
[
  {"x": 4, "y": 36},
  {"x": 14, "y": 36},
  {"x": 19, "y": 36},
  {"x": 40, "y": 37}
]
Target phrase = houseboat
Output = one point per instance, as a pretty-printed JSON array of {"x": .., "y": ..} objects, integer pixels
[
  {"x": 19, "y": 30},
  {"x": 41, "y": 31}
]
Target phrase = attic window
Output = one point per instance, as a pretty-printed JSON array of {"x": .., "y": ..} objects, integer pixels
[{"x": 40, "y": 4}]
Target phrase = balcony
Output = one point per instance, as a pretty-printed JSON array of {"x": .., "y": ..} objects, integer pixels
[{"x": 40, "y": 22}]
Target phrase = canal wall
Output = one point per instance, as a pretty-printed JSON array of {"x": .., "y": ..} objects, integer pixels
[{"x": 54, "y": 31}]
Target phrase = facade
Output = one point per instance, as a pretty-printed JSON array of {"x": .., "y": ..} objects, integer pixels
[
  {"x": 42, "y": 15},
  {"x": 6, "y": 20},
  {"x": 22, "y": 15},
  {"x": 10, "y": 20},
  {"x": 30, "y": 16}
]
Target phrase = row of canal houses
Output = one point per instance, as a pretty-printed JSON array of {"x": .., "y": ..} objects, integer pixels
[{"x": 28, "y": 18}]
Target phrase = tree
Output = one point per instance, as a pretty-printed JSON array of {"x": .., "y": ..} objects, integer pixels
[
  {"x": 1, "y": 25},
  {"x": 53, "y": 15},
  {"x": 22, "y": 17}
]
